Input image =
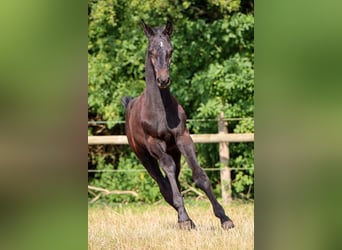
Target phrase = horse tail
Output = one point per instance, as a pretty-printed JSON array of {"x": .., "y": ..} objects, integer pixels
[{"x": 126, "y": 100}]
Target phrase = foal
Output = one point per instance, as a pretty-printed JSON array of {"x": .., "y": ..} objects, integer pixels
[{"x": 156, "y": 129}]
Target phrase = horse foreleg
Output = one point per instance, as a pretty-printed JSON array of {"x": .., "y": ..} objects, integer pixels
[
  {"x": 157, "y": 148},
  {"x": 152, "y": 167},
  {"x": 187, "y": 148}
]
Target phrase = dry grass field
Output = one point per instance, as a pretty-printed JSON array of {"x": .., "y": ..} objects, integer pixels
[{"x": 155, "y": 227}]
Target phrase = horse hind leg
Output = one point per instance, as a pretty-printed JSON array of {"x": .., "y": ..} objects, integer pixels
[{"x": 176, "y": 155}]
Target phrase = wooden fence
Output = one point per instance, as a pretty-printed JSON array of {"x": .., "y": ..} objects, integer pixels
[
  {"x": 223, "y": 137},
  {"x": 197, "y": 138}
]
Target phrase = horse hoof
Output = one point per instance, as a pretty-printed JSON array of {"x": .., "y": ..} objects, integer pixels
[
  {"x": 227, "y": 225},
  {"x": 186, "y": 225}
]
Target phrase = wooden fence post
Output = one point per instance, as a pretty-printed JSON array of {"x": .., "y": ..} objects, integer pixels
[{"x": 224, "y": 159}]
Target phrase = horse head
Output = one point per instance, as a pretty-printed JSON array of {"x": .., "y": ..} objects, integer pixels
[{"x": 160, "y": 52}]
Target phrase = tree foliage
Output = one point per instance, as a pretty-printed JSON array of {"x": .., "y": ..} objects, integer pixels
[{"x": 211, "y": 71}]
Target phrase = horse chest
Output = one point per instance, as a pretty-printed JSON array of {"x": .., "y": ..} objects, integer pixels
[{"x": 159, "y": 128}]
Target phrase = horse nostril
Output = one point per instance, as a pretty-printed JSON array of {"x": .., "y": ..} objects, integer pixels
[
  {"x": 166, "y": 82},
  {"x": 163, "y": 81}
]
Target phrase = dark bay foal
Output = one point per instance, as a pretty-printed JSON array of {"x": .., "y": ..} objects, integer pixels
[{"x": 156, "y": 129}]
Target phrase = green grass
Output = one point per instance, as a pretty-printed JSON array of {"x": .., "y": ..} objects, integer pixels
[{"x": 143, "y": 226}]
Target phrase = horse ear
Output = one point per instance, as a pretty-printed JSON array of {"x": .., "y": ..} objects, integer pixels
[
  {"x": 168, "y": 29},
  {"x": 147, "y": 29}
]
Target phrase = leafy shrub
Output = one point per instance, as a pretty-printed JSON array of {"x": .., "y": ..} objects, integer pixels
[{"x": 212, "y": 71}]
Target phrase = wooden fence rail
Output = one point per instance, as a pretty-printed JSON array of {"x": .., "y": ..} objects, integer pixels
[
  {"x": 223, "y": 137},
  {"x": 197, "y": 138}
]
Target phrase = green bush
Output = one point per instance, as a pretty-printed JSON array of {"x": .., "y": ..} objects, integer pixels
[{"x": 212, "y": 71}]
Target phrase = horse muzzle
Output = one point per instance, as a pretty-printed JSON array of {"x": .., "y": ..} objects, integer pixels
[{"x": 163, "y": 83}]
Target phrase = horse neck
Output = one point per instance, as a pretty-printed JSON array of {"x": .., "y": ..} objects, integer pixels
[{"x": 156, "y": 97}]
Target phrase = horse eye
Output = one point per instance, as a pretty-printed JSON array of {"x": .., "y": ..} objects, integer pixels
[{"x": 152, "y": 52}]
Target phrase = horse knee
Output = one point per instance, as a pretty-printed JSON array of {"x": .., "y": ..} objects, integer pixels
[
  {"x": 168, "y": 165},
  {"x": 201, "y": 179}
]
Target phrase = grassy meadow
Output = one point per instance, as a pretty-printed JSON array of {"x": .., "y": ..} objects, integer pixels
[{"x": 143, "y": 226}]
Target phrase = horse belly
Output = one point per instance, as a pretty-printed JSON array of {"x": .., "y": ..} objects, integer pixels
[{"x": 134, "y": 131}]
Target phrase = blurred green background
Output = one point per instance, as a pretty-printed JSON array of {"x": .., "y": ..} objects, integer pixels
[
  {"x": 298, "y": 124},
  {"x": 43, "y": 95}
]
